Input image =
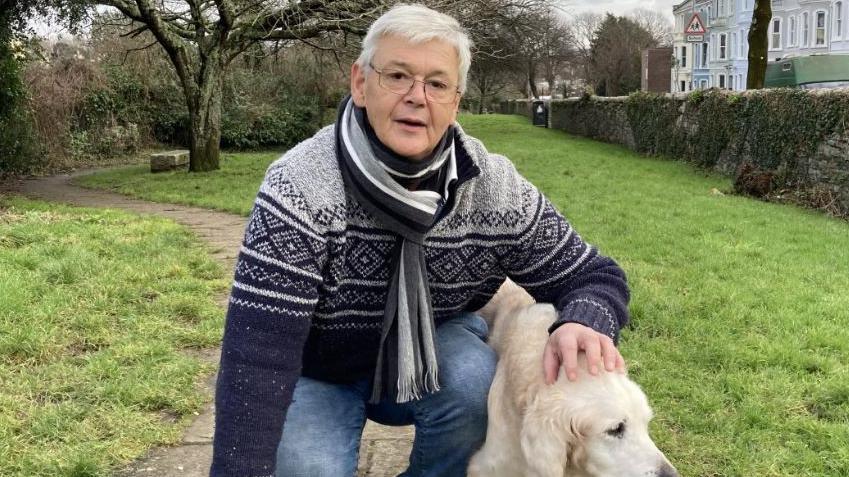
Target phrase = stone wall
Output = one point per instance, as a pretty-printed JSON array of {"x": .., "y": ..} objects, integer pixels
[
  {"x": 521, "y": 107},
  {"x": 600, "y": 118},
  {"x": 794, "y": 142}
]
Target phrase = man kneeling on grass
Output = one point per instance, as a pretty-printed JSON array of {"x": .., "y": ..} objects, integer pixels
[{"x": 369, "y": 246}]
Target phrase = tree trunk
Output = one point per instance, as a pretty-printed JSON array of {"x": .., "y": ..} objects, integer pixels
[
  {"x": 205, "y": 132},
  {"x": 532, "y": 79},
  {"x": 758, "y": 44}
]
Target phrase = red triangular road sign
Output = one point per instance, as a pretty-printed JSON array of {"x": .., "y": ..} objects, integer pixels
[{"x": 695, "y": 26}]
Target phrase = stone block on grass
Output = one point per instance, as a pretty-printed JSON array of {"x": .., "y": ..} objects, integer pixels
[{"x": 169, "y": 160}]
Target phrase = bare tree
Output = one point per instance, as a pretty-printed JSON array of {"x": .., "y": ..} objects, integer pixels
[
  {"x": 758, "y": 38},
  {"x": 583, "y": 29},
  {"x": 656, "y": 23},
  {"x": 489, "y": 77},
  {"x": 202, "y": 37},
  {"x": 554, "y": 47},
  {"x": 544, "y": 45},
  {"x": 509, "y": 43}
]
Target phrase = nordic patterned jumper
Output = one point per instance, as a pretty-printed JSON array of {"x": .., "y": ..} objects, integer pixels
[{"x": 312, "y": 273}]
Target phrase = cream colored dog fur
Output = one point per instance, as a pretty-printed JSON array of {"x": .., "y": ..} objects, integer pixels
[{"x": 593, "y": 427}]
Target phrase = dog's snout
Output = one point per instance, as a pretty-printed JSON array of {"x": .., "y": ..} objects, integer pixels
[{"x": 666, "y": 470}]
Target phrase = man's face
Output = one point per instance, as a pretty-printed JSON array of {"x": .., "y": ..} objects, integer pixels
[{"x": 409, "y": 124}]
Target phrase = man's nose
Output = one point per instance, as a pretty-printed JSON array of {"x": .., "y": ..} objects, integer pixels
[{"x": 416, "y": 94}]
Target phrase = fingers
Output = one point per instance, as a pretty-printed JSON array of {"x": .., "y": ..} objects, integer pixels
[
  {"x": 568, "y": 340},
  {"x": 620, "y": 363},
  {"x": 593, "y": 350},
  {"x": 569, "y": 355},
  {"x": 550, "y": 363},
  {"x": 610, "y": 354}
]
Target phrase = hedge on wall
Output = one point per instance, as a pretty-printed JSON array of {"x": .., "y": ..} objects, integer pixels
[
  {"x": 772, "y": 129},
  {"x": 799, "y": 139}
]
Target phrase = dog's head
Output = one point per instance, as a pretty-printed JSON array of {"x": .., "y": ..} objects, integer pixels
[{"x": 601, "y": 429}]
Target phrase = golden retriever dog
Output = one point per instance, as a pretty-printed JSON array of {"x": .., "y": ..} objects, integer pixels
[{"x": 596, "y": 426}]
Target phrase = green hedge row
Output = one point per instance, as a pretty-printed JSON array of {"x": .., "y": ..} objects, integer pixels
[
  {"x": 797, "y": 139},
  {"x": 773, "y": 129}
]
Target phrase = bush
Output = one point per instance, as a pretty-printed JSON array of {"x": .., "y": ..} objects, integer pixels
[
  {"x": 19, "y": 151},
  {"x": 790, "y": 141}
]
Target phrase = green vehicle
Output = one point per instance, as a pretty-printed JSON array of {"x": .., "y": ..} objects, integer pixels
[{"x": 807, "y": 72}]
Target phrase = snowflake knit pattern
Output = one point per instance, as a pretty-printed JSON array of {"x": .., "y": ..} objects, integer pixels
[{"x": 312, "y": 277}]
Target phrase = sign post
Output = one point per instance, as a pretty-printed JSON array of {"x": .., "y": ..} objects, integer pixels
[{"x": 695, "y": 31}]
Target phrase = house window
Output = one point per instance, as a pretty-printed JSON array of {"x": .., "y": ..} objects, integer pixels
[
  {"x": 838, "y": 19},
  {"x": 806, "y": 37},
  {"x": 722, "y": 46},
  {"x": 703, "y": 84},
  {"x": 820, "y": 32},
  {"x": 683, "y": 85},
  {"x": 683, "y": 56},
  {"x": 775, "y": 38},
  {"x": 722, "y": 81},
  {"x": 722, "y": 8},
  {"x": 704, "y": 55},
  {"x": 792, "y": 31},
  {"x": 731, "y": 82}
]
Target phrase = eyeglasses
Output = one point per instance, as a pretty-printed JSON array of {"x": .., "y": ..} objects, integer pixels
[{"x": 401, "y": 83}]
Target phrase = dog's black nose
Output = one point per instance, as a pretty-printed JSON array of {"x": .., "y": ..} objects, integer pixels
[{"x": 667, "y": 470}]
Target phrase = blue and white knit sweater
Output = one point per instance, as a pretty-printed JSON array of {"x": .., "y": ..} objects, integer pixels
[{"x": 312, "y": 273}]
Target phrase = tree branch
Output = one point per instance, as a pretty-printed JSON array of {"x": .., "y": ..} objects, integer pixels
[{"x": 127, "y": 52}]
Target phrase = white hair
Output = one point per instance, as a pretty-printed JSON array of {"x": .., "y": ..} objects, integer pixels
[{"x": 419, "y": 24}]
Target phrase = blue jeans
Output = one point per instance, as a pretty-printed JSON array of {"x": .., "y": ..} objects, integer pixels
[{"x": 321, "y": 437}]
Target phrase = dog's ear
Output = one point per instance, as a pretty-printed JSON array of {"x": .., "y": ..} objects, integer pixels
[{"x": 545, "y": 442}]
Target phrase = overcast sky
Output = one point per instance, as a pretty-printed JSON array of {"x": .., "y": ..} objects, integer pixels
[{"x": 619, "y": 7}]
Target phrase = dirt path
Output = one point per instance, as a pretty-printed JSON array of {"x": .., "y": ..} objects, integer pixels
[{"x": 384, "y": 450}]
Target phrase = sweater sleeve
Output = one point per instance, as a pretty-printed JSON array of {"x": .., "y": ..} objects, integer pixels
[
  {"x": 555, "y": 265},
  {"x": 274, "y": 293}
]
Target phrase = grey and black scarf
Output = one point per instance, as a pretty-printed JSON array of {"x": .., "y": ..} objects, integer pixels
[{"x": 406, "y": 362}]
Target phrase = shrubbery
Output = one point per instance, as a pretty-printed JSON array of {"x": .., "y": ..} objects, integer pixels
[
  {"x": 86, "y": 104},
  {"x": 19, "y": 151},
  {"x": 771, "y": 129}
]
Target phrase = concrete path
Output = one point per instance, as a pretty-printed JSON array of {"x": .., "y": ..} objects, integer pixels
[{"x": 384, "y": 450}]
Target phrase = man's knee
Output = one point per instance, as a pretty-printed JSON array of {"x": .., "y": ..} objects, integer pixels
[
  {"x": 308, "y": 461},
  {"x": 465, "y": 385}
]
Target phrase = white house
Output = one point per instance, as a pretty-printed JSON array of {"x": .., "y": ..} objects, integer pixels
[{"x": 797, "y": 28}]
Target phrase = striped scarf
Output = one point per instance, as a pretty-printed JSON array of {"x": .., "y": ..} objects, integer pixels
[{"x": 406, "y": 362}]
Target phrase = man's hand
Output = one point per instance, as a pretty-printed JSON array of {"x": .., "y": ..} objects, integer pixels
[{"x": 567, "y": 340}]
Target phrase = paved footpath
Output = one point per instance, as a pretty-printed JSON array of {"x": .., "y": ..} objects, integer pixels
[{"x": 384, "y": 450}]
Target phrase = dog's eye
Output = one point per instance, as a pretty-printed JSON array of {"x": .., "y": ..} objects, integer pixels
[{"x": 617, "y": 431}]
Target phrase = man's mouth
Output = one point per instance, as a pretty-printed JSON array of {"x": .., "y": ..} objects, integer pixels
[{"x": 412, "y": 122}]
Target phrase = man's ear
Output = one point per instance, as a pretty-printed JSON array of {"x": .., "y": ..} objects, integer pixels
[{"x": 358, "y": 84}]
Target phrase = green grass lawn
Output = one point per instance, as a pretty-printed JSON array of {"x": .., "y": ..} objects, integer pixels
[
  {"x": 99, "y": 313},
  {"x": 230, "y": 189},
  {"x": 740, "y": 329}
]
